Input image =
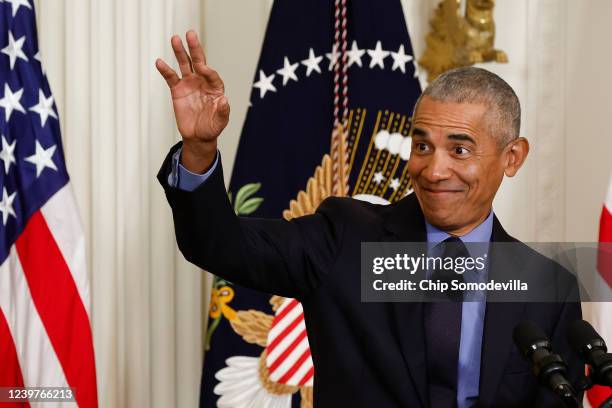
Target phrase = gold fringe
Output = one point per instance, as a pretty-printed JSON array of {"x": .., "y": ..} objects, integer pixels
[
  {"x": 271, "y": 386},
  {"x": 253, "y": 326},
  {"x": 306, "y": 400},
  {"x": 276, "y": 302}
]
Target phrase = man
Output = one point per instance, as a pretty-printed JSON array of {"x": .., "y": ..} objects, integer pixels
[{"x": 465, "y": 139}]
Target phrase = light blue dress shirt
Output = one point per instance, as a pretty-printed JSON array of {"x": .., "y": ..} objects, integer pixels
[
  {"x": 184, "y": 179},
  {"x": 473, "y": 311},
  {"x": 472, "y": 314}
]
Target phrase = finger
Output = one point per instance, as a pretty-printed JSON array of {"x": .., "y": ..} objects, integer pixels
[
  {"x": 181, "y": 55},
  {"x": 213, "y": 78},
  {"x": 168, "y": 73},
  {"x": 195, "y": 50}
]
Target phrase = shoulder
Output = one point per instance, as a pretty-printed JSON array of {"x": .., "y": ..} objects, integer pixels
[{"x": 352, "y": 209}]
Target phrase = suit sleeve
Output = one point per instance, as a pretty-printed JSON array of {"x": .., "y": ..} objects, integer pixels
[{"x": 287, "y": 258}]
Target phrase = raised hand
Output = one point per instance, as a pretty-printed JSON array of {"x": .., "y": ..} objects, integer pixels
[{"x": 200, "y": 106}]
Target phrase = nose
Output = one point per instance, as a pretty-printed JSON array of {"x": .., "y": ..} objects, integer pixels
[{"x": 437, "y": 167}]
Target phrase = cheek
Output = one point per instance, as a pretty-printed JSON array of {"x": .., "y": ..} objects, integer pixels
[
  {"x": 471, "y": 174},
  {"x": 482, "y": 178},
  {"x": 415, "y": 166}
]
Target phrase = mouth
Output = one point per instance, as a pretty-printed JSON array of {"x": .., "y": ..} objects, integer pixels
[{"x": 439, "y": 192}]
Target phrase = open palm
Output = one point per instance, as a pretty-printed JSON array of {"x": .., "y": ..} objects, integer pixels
[{"x": 200, "y": 106}]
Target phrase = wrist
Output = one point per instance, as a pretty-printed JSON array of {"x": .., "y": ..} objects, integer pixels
[{"x": 198, "y": 157}]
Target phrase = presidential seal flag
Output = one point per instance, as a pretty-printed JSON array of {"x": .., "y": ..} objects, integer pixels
[
  {"x": 45, "y": 334},
  {"x": 329, "y": 114}
]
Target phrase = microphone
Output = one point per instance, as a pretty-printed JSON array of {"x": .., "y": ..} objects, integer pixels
[
  {"x": 592, "y": 350},
  {"x": 549, "y": 368}
]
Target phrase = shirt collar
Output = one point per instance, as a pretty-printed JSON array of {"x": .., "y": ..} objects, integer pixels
[{"x": 482, "y": 233}]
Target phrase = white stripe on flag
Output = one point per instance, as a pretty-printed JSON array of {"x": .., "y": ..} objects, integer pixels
[
  {"x": 285, "y": 321},
  {"x": 39, "y": 364},
  {"x": 284, "y": 343},
  {"x": 62, "y": 217},
  {"x": 301, "y": 372},
  {"x": 290, "y": 360}
]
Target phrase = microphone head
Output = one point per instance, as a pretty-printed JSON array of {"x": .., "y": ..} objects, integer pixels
[
  {"x": 528, "y": 337},
  {"x": 583, "y": 338}
]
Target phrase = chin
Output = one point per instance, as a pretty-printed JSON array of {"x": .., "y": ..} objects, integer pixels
[{"x": 441, "y": 219}]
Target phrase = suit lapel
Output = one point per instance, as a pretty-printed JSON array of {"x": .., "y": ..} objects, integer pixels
[
  {"x": 500, "y": 320},
  {"x": 405, "y": 223}
]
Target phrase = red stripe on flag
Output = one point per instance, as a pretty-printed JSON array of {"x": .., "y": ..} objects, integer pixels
[
  {"x": 605, "y": 226},
  {"x": 292, "y": 304},
  {"x": 279, "y": 360},
  {"x": 10, "y": 372},
  {"x": 299, "y": 318},
  {"x": 295, "y": 367},
  {"x": 306, "y": 377},
  {"x": 60, "y": 307},
  {"x": 604, "y": 255}
]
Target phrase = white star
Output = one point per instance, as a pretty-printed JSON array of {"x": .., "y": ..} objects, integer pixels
[
  {"x": 18, "y": 3},
  {"x": 288, "y": 71},
  {"x": 378, "y": 177},
  {"x": 333, "y": 57},
  {"x": 7, "y": 154},
  {"x": 378, "y": 55},
  {"x": 10, "y": 102},
  {"x": 38, "y": 58},
  {"x": 13, "y": 49},
  {"x": 42, "y": 158},
  {"x": 6, "y": 205},
  {"x": 394, "y": 184},
  {"x": 400, "y": 59},
  {"x": 354, "y": 54},
  {"x": 312, "y": 63},
  {"x": 44, "y": 108},
  {"x": 264, "y": 84}
]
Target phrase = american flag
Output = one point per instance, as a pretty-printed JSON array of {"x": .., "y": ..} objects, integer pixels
[{"x": 45, "y": 334}]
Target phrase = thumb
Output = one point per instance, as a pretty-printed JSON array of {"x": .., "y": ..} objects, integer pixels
[{"x": 223, "y": 109}]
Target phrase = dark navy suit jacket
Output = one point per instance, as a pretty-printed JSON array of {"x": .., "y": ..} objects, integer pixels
[{"x": 364, "y": 354}]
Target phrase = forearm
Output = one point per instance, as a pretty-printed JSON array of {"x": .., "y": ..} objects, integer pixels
[{"x": 276, "y": 256}]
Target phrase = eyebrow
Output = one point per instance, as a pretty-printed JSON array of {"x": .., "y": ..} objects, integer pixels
[
  {"x": 462, "y": 137},
  {"x": 417, "y": 132}
]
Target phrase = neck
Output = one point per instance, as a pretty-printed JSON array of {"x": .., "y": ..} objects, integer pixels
[{"x": 459, "y": 231}]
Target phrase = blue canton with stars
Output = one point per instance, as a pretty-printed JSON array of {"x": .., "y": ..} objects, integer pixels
[{"x": 32, "y": 165}]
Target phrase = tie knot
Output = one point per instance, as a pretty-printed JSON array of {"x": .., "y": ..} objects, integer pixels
[{"x": 453, "y": 247}]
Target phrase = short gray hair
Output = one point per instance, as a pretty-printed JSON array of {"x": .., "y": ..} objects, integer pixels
[{"x": 477, "y": 85}]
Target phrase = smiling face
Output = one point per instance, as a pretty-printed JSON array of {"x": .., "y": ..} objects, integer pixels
[{"x": 457, "y": 165}]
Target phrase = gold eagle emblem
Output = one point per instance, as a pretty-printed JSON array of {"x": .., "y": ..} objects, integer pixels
[{"x": 456, "y": 40}]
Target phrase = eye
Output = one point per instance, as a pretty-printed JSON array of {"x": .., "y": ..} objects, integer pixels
[
  {"x": 461, "y": 151},
  {"x": 421, "y": 147}
]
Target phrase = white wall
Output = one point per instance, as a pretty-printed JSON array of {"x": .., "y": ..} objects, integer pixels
[{"x": 588, "y": 68}]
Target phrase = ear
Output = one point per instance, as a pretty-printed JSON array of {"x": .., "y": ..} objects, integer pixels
[{"x": 515, "y": 154}]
